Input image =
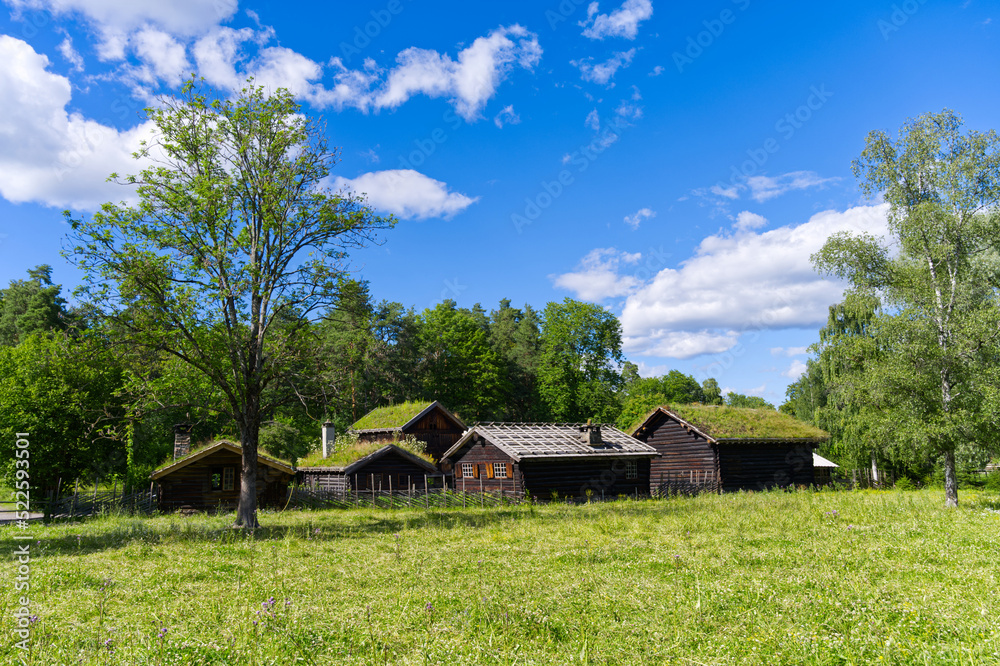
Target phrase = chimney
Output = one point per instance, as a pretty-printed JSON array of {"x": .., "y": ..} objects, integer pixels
[
  {"x": 329, "y": 435},
  {"x": 182, "y": 439},
  {"x": 591, "y": 434}
]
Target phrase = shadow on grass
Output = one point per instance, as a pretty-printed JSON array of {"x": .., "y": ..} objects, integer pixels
[{"x": 115, "y": 532}]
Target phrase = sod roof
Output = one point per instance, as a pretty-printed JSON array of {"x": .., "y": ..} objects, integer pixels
[
  {"x": 223, "y": 444},
  {"x": 359, "y": 455},
  {"x": 719, "y": 423},
  {"x": 397, "y": 417}
]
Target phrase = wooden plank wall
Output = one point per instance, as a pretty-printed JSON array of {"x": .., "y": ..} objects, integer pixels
[
  {"x": 484, "y": 454},
  {"x": 762, "y": 466},
  {"x": 190, "y": 486},
  {"x": 572, "y": 477},
  {"x": 439, "y": 433},
  {"x": 687, "y": 462}
]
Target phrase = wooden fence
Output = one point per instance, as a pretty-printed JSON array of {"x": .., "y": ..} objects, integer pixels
[
  {"x": 83, "y": 503},
  {"x": 432, "y": 498}
]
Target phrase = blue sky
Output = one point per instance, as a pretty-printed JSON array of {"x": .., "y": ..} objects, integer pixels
[{"x": 676, "y": 163}]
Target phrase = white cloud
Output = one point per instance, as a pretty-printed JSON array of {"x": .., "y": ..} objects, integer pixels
[
  {"x": 507, "y": 116},
  {"x": 115, "y": 20},
  {"x": 593, "y": 120},
  {"x": 732, "y": 192},
  {"x": 657, "y": 70},
  {"x": 70, "y": 54},
  {"x": 164, "y": 55},
  {"x": 795, "y": 370},
  {"x": 623, "y": 22},
  {"x": 470, "y": 80},
  {"x": 637, "y": 218},
  {"x": 596, "y": 277},
  {"x": 603, "y": 72},
  {"x": 746, "y": 221},
  {"x": 747, "y": 281},
  {"x": 406, "y": 193},
  {"x": 51, "y": 156},
  {"x": 789, "y": 351},
  {"x": 763, "y": 188}
]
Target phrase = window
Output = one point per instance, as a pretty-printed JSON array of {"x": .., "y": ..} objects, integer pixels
[
  {"x": 469, "y": 470},
  {"x": 216, "y": 481},
  {"x": 500, "y": 470},
  {"x": 228, "y": 478},
  {"x": 631, "y": 469}
]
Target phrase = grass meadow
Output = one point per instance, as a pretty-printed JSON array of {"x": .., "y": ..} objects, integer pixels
[{"x": 864, "y": 577}]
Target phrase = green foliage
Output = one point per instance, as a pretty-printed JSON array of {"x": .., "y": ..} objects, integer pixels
[
  {"x": 746, "y": 401},
  {"x": 918, "y": 377},
  {"x": 993, "y": 481},
  {"x": 642, "y": 395},
  {"x": 580, "y": 354},
  {"x": 710, "y": 389},
  {"x": 31, "y": 306},
  {"x": 459, "y": 366},
  {"x": 762, "y": 578},
  {"x": 62, "y": 393},
  {"x": 284, "y": 440}
]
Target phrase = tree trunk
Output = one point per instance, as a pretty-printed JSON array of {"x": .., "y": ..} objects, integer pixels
[
  {"x": 950, "y": 480},
  {"x": 246, "y": 512}
]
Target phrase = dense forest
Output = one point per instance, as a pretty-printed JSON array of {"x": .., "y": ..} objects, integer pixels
[{"x": 97, "y": 410}]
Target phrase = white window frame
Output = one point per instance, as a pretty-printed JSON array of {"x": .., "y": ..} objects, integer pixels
[
  {"x": 468, "y": 470},
  {"x": 499, "y": 470},
  {"x": 631, "y": 469}
]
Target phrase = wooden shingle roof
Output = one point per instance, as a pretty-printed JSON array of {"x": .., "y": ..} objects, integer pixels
[{"x": 523, "y": 441}]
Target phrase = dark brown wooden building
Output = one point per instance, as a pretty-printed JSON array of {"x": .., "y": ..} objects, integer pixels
[
  {"x": 389, "y": 468},
  {"x": 716, "y": 448},
  {"x": 209, "y": 479},
  {"x": 429, "y": 422},
  {"x": 550, "y": 459}
]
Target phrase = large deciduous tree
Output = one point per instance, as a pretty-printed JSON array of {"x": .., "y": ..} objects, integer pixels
[
  {"x": 234, "y": 241},
  {"x": 924, "y": 375}
]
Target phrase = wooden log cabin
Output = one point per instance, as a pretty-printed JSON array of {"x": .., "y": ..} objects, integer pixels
[
  {"x": 549, "y": 460},
  {"x": 209, "y": 479},
  {"x": 429, "y": 422},
  {"x": 716, "y": 448},
  {"x": 389, "y": 468}
]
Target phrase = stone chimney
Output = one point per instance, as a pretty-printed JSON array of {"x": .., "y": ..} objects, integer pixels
[
  {"x": 591, "y": 434},
  {"x": 182, "y": 439},
  {"x": 329, "y": 436}
]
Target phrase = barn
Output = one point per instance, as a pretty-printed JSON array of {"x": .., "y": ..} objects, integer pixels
[
  {"x": 429, "y": 422},
  {"x": 549, "y": 460},
  {"x": 718, "y": 448},
  {"x": 209, "y": 479},
  {"x": 386, "y": 468}
]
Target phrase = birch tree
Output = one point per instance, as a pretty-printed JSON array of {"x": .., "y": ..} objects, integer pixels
[{"x": 924, "y": 376}]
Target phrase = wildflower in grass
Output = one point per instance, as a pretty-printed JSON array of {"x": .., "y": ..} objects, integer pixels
[{"x": 163, "y": 633}]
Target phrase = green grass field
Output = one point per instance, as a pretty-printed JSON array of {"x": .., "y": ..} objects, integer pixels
[{"x": 773, "y": 578}]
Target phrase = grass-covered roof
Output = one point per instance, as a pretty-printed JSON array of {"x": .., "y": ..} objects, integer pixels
[
  {"x": 350, "y": 454},
  {"x": 203, "y": 449},
  {"x": 721, "y": 422},
  {"x": 391, "y": 417}
]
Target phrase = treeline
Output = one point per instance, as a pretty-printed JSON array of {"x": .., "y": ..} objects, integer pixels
[{"x": 99, "y": 411}]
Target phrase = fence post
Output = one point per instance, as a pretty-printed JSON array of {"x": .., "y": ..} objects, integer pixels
[
  {"x": 76, "y": 493},
  {"x": 427, "y": 494},
  {"x": 373, "y": 489}
]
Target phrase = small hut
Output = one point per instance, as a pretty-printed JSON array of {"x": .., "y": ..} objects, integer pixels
[
  {"x": 717, "y": 448},
  {"x": 388, "y": 468},
  {"x": 566, "y": 459},
  {"x": 429, "y": 422},
  {"x": 209, "y": 478}
]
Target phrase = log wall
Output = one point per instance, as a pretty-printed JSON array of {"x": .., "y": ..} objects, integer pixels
[
  {"x": 191, "y": 485},
  {"x": 763, "y": 466}
]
